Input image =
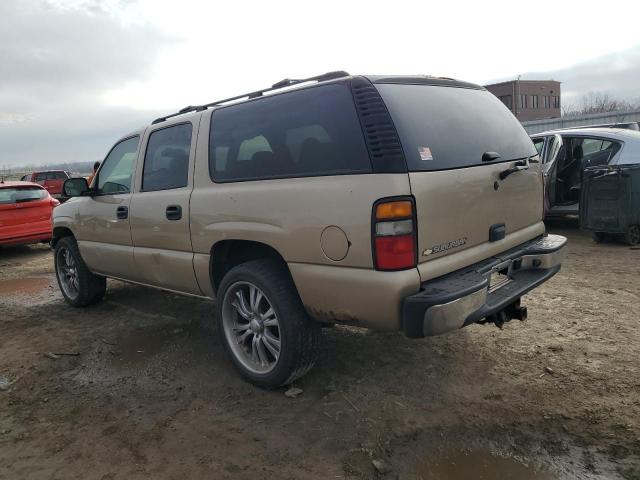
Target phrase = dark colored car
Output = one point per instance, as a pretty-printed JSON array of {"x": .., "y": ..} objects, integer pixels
[
  {"x": 565, "y": 154},
  {"x": 610, "y": 202}
]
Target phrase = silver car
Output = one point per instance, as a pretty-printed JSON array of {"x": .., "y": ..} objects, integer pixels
[{"x": 566, "y": 153}]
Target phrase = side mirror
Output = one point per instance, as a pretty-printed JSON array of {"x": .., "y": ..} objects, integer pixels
[{"x": 75, "y": 187}]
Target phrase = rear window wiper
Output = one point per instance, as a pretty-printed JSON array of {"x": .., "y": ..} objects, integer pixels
[
  {"x": 490, "y": 156},
  {"x": 516, "y": 167}
]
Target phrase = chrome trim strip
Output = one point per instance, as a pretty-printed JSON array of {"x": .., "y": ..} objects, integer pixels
[{"x": 162, "y": 289}]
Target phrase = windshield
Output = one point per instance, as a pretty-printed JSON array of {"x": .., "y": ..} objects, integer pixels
[
  {"x": 21, "y": 194},
  {"x": 447, "y": 127}
]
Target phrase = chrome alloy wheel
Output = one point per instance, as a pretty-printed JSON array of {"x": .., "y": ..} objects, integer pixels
[
  {"x": 633, "y": 235},
  {"x": 251, "y": 327},
  {"x": 67, "y": 272}
]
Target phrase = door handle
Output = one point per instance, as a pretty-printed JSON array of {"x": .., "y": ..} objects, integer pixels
[
  {"x": 122, "y": 213},
  {"x": 517, "y": 167},
  {"x": 174, "y": 212}
]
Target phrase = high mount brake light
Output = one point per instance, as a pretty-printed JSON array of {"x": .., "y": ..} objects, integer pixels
[{"x": 394, "y": 235}]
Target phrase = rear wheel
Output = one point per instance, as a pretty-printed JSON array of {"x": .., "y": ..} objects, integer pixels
[
  {"x": 632, "y": 237},
  {"x": 264, "y": 326},
  {"x": 78, "y": 285}
]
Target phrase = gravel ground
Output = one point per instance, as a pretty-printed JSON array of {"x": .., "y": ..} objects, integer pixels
[{"x": 149, "y": 393}]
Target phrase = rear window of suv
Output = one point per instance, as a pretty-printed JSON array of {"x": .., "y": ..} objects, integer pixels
[
  {"x": 309, "y": 132},
  {"x": 443, "y": 128}
]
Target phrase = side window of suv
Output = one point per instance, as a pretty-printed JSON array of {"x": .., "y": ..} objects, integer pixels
[
  {"x": 166, "y": 162},
  {"x": 117, "y": 169},
  {"x": 310, "y": 132}
]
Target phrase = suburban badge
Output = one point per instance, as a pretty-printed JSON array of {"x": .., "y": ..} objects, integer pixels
[{"x": 445, "y": 246}]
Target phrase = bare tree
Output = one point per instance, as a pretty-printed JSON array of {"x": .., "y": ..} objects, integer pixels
[{"x": 598, "y": 102}]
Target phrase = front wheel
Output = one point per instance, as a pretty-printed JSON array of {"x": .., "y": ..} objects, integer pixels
[
  {"x": 78, "y": 285},
  {"x": 632, "y": 237},
  {"x": 264, "y": 326}
]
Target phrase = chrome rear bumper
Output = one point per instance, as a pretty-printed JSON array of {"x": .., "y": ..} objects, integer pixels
[{"x": 465, "y": 296}]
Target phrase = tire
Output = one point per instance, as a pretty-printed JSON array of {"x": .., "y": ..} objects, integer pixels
[
  {"x": 78, "y": 285},
  {"x": 632, "y": 237},
  {"x": 598, "y": 237},
  {"x": 249, "y": 329}
]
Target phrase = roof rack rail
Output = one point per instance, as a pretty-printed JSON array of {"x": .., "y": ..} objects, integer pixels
[{"x": 287, "y": 82}]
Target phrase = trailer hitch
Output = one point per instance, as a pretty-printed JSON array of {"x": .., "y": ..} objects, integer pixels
[{"x": 513, "y": 311}]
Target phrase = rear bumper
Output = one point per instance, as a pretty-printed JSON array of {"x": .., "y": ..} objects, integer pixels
[{"x": 465, "y": 296}]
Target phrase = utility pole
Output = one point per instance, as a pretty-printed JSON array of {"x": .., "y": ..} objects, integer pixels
[{"x": 517, "y": 94}]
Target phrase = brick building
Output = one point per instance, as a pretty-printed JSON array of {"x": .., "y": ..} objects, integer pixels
[{"x": 529, "y": 99}]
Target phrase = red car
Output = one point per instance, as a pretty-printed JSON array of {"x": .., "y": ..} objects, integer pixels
[
  {"x": 52, "y": 180},
  {"x": 25, "y": 213}
]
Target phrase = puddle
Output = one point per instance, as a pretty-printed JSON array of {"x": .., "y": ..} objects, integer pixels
[
  {"x": 143, "y": 344},
  {"x": 23, "y": 286},
  {"x": 458, "y": 465}
]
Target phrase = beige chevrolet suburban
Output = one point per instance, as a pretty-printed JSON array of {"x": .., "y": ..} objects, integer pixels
[{"x": 394, "y": 203}]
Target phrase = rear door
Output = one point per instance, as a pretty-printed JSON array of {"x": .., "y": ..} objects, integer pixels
[
  {"x": 605, "y": 188},
  {"x": 600, "y": 203},
  {"x": 50, "y": 182},
  {"x": 160, "y": 208},
  {"x": 41, "y": 178},
  {"x": 56, "y": 182},
  {"x": 457, "y": 142}
]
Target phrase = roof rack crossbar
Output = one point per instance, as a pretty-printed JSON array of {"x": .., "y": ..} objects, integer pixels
[{"x": 258, "y": 93}]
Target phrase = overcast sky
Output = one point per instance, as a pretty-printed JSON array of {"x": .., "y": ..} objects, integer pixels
[{"x": 77, "y": 74}]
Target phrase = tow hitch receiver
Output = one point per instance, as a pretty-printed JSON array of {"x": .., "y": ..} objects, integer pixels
[{"x": 513, "y": 312}]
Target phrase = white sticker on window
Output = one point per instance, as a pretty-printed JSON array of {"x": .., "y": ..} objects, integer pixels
[{"x": 425, "y": 153}]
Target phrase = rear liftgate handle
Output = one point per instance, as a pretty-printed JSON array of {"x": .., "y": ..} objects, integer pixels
[{"x": 516, "y": 167}]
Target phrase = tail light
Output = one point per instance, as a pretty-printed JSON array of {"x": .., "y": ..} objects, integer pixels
[
  {"x": 394, "y": 234},
  {"x": 54, "y": 202}
]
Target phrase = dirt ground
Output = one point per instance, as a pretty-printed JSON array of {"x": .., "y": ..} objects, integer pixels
[{"x": 150, "y": 393}]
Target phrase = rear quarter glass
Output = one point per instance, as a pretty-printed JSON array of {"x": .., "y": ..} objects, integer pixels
[
  {"x": 310, "y": 132},
  {"x": 444, "y": 127}
]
